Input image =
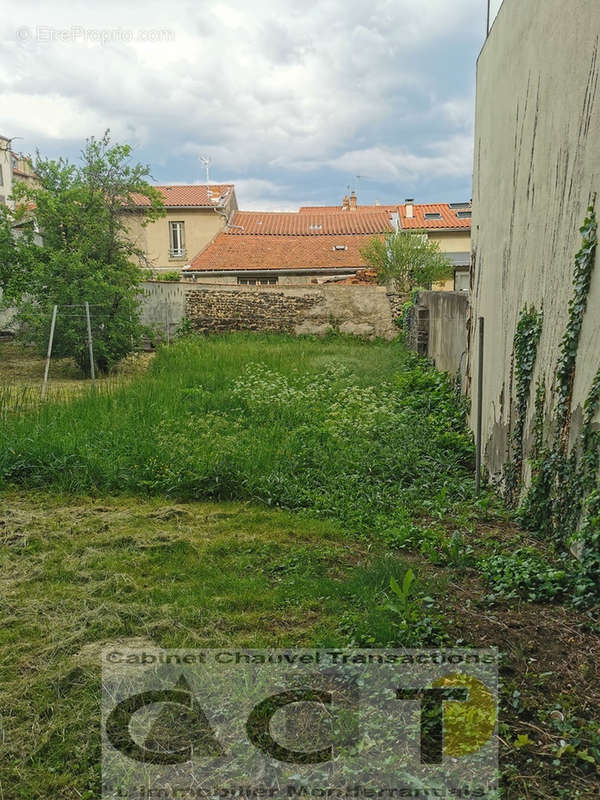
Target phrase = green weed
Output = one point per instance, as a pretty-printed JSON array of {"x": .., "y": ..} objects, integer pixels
[
  {"x": 361, "y": 432},
  {"x": 527, "y": 574}
]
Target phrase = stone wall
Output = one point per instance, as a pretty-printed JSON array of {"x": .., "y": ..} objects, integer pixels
[
  {"x": 396, "y": 301},
  {"x": 360, "y": 310},
  {"x": 227, "y": 310}
]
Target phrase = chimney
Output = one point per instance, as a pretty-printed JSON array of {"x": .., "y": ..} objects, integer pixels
[
  {"x": 410, "y": 208},
  {"x": 353, "y": 201},
  {"x": 345, "y": 203}
]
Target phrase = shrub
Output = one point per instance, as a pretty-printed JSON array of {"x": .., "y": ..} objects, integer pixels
[
  {"x": 526, "y": 573},
  {"x": 168, "y": 276}
]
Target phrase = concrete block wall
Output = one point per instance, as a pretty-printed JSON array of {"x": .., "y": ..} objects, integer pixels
[
  {"x": 537, "y": 166},
  {"x": 163, "y": 305},
  {"x": 439, "y": 330}
]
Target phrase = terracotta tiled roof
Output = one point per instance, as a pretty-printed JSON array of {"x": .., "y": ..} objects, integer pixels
[
  {"x": 339, "y": 209},
  {"x": 227, "y": 252},
  {"x": 361, "y": 277},
  {"x": 199, "y": 195},
  {"x": 295, "y": 224},
  {"x": 448, "y": 217}
]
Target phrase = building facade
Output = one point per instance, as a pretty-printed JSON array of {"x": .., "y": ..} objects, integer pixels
[
  {"x": 195, "y": 215},
  {"x": 13, "y": 167},
  {"x": 448, "y": 224},
  {"x": 6, "y": 171},
  {"x": 269, "y": 248}
]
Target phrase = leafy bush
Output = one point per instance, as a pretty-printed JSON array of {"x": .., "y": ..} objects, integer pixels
[
  {"x": 407, "y": 259},
  {"x": 525, "y": 573},
  {"x": 184, "y": 328},
  {"x": 168, "y": 276}
]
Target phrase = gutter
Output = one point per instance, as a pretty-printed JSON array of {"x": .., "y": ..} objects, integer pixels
[
  {"x": 176, "y": 208},
  {"x": 260, "y": 273},
  {"x": 433, "y": 231}
]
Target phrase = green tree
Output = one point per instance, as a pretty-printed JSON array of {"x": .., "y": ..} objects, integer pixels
[
  {"x": 86, "y": 253},
  {"x": 407, "y": 260},
  {"x": 16, "y": 236}
]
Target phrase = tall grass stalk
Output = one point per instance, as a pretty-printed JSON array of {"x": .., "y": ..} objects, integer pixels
[{"x": 360, "y": 431}]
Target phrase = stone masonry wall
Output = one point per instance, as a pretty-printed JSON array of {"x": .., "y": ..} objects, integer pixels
[
  {"x": 359, "y": 310},
  {"x": 220, "y": 311}
]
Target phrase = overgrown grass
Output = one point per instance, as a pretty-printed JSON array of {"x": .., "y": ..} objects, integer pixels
[
  {"x": 362, "y": 432},
  {"x": 367, "y": 446},
  {"x": 22, "y": 373},
  {"x": 77, "y": 573}
]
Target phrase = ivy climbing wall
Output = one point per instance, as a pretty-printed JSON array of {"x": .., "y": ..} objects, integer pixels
[{"x": 536, "y": 170}]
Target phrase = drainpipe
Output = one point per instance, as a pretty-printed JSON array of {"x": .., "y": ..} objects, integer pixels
[{"x": 226, "y": 218}]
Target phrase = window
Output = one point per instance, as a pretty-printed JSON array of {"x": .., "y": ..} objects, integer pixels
[
  {"x": 1, "y": 178},
  {"x": 459, "y": 205},
  {"x": 176, "y": 240},
  {"x": 257, "y": 281},
  {"x": 462, "y": 280},
  {"x": 463, "y": 214},
  {"x": 433, "y": 215}
]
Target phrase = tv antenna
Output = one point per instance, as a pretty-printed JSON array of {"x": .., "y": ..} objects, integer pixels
[
  {"x": 206, "y": 161},
  {"x": 354, "y": 187}
]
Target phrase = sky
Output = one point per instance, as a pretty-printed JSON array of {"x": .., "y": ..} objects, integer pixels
[{"x": 295, "y": 103}]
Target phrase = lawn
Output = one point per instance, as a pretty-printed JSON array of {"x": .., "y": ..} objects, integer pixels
[{"x": 263, "y": 491}]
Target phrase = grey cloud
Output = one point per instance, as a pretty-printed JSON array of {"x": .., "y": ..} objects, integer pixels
[{"x": 269, "y": 85}]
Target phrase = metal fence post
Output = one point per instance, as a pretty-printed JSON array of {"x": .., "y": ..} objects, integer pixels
[
  {"x": 89, "y": 336},
  {"x": 50, "y": 340},
  {"x": 479, "y": 409}
]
